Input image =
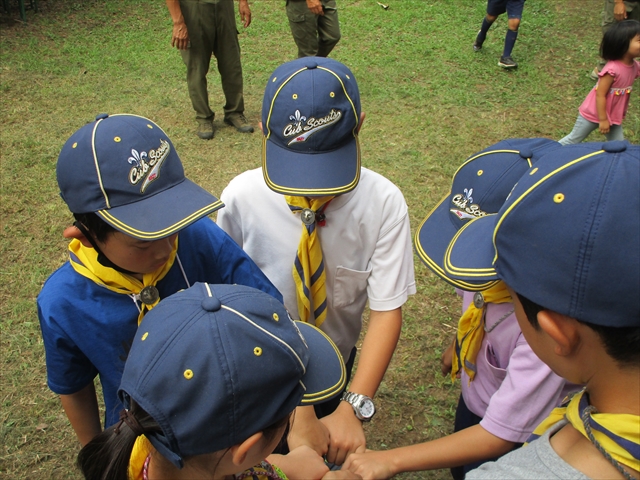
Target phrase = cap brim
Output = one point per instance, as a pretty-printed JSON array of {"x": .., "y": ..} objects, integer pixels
[
  {"x": 311, "y": 174},
  {"x": 164, "y": 213},
  {"x": 471, "y": 254},
  {"x": 326, "y": 375}
]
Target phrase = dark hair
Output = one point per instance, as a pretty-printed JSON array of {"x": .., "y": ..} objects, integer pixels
[
  {"x": 615, "y": 41},
  {"x": 621, "y": 343},
  {"x": 95, "y": 225},
  {"x": 107, "y": 455}
]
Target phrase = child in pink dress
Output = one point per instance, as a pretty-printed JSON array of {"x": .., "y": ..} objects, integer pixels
[{"x": 606, "y": 105}]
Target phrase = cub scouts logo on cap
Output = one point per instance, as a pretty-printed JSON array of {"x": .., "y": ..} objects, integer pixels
[
  {"x": 301, "y": 133},
  {"x": 464, "y": 201},
  {"x": 147, "y": 167}
]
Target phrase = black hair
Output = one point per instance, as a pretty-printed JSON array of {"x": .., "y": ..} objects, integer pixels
[
  {"x": 616, "y": 40},
  {"x": 621, "y": 343},
  {"x": 107, "y": 455},
  {"x": 94, "y": 225}
]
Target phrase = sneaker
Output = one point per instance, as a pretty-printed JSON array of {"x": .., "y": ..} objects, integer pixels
[
  {"x": 507, "y": 62},
  {"x": 593, "y": 75},
  {"x": 205, "y": 130},
  {"x": 477, "y": 44},
  {"x": 240, "y": 122}
]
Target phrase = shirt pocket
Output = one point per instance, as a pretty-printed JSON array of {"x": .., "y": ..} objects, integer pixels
[
  {"x": 349, "y": 286},
  {"x": 499, "y": 374}
]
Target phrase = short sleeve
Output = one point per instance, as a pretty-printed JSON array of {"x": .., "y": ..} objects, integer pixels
[
  {"x": 68, "y": 368},
  {"x": 528, "y": 393},
  {"x": 392, "y": 271}
]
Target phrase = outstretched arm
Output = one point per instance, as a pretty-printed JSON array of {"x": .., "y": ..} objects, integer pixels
[
  {"x": 460, "y": 448},
  {"x": 345, "y": 430}
]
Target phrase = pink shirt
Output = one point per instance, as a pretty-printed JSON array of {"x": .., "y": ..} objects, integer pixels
[
  {"x": 513, "y": 390},
  {"x": 618, "y": 96}
]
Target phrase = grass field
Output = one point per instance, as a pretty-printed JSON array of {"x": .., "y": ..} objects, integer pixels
[{"x": 430, "y": 102}]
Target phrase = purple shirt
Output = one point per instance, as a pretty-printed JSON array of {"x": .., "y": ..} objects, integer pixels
[{"x": 513, "y": 390}]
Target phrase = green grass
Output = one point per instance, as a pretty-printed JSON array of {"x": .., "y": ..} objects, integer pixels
[{"x": 430, "y": 102}]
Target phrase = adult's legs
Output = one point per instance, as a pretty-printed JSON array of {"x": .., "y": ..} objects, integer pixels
[
  {"x": 328, "y": 28},
  {"x": 226, "y": 49},
  {"x": 197, "y": 58},
  {"x": 304, "y": 27}
]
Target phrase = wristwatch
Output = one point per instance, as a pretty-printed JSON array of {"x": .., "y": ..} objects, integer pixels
[{"x": 362, "y": 405}]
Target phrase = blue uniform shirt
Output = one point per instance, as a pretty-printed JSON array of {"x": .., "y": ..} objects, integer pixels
[{"x": 88, "y": 329}]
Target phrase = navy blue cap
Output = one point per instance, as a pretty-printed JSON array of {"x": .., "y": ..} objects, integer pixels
[
  {"x": 215, "y": 364},
  {"x": 568, "y": 236},
  {"x": 125, "y": 169},
  {"x": 479, "y": 187},
  {"x": 310, "y": 118}
]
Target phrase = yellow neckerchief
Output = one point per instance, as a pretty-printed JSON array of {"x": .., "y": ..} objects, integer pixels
[
  {"x": 618, "y": 434},
  {"x": 471, "y": 331},
  {"x": 141, "y": 450},
  {"x": 84, "y": 260},
  {"x": 308, "y": 268}
]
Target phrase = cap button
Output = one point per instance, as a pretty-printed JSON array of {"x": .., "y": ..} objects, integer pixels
[
  {"x": 312, "y": 65},
  {"x": 526, "y": 153},
  {"x": 211, "y": 304},
  {"x": 615, "y": 146},
  {"x": 101, "y": 116}
]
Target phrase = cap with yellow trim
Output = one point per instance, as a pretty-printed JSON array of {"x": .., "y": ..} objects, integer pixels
[
  {"x": 126, "y": 170},
  {"x": 479, "y": 188},
  {"x": 310, "y": 118},
  {"x": 568, "y": 236},
  {"x": 215, "y": 364}
]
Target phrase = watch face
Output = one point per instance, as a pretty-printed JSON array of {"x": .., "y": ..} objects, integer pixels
[{"x": 366, "y": 408}]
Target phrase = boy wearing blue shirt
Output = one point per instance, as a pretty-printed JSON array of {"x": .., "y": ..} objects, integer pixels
[{"x": 140, "y": 235}]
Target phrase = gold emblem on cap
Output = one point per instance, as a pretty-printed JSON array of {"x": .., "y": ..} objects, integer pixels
[
  {"x": 558, "y": 197},
  {"x": 257, "y": 351},
  {"x": 117, "y": 139},
  {"x": 533, "y": 171},
  {"x": 276, "y": 317},
  {"x": 144, "y": 336},
  {"x": 480, "y": 172},
  {"x": 188, "y": 374},
  {"x": 294, "y": 96}
]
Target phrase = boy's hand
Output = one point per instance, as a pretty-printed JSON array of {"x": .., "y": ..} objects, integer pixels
[
  {"x": 604, "y": 126},
  {"x": 346, "y": 435},
  {"x": 341, "y": 475},
  {"x": 371, "y": 464},
  {"x": 446, "y": 360},
  {"x": 308, "y": 430},
  {"x": 300, "y": 463}
]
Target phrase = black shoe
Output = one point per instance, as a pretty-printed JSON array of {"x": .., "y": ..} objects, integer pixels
[
  {"x": 477, "y": 44},
  {"x": 240, "y": 122},
  {"x": 507, "y": 62},
  {"x": 205, "y": 130}
]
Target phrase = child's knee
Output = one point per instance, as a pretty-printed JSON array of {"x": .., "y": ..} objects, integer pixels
[{"x": 514, "y": 23}]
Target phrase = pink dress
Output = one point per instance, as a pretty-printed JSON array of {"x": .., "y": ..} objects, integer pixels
[{"x": 618, "y": 96}]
